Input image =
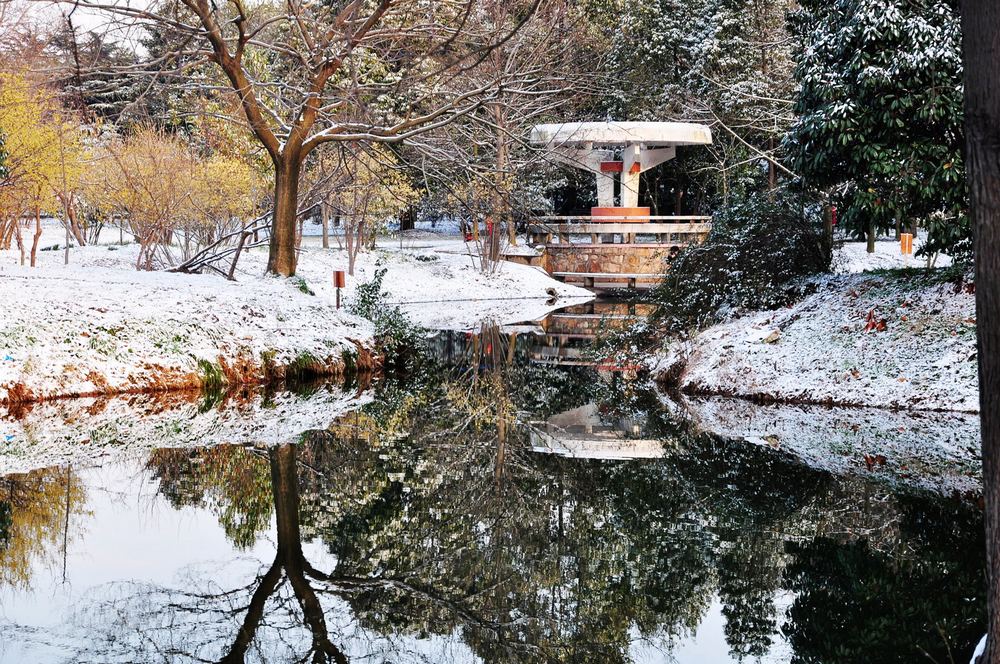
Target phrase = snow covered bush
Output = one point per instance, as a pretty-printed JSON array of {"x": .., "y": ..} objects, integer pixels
[
  {"x": 879, "y": 115},
  {"x": 756, "y": 247},
  {"x": 394, "y": 332}
]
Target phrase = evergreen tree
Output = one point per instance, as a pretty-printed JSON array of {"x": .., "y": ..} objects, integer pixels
[{"x": 879, "y": 113}]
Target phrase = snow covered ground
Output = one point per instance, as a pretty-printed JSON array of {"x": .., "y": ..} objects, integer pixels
[
  {"x": 892, "y": 341},
  {"x": 99, "y": 326},
  {"x": 852, "y": 257},
  {"x": 437, "y": 283}
]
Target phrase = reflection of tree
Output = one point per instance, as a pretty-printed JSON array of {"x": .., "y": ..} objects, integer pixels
[
  {"x": 857, "y": 603},
  {"x": 232, "y": 481},
  {"x": 441, "y": 523},
  {"x": 289, "y": 562},
  {"x": 34, "y": 518}
]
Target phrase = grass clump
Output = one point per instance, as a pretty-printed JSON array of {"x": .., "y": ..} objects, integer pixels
[
  {"x": 301, "y": 284},
  {"x": 305, "y": 365},
  {"x": 212, "y": 377}
]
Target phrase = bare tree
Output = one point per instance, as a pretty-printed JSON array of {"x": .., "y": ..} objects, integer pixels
[
  {"x": 481, "y": 168},
  {"x": 307, "y": 73}
]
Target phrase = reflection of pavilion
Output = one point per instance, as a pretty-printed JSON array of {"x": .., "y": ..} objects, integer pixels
[
  {"x": 565, "y": 335},
  {"x": 562, "y": 338},
  {"x": 580, "y": 433},
  {"x": 622, "y": 245}
]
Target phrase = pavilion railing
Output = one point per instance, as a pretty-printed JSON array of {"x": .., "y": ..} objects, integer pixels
[{"x": 677, "y": 230}]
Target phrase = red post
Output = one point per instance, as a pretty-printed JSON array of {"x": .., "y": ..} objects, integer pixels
[{"x": 339, "y": 279}]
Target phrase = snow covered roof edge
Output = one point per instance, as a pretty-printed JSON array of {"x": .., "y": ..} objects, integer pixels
[{"x": 621, "y": 133}]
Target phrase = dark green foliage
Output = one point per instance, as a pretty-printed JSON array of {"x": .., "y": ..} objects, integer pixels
[
  {"x": 855, "y": 604},
  {"x": 396, "y": 335},
  {"x": 756, "y": 247},
  {"x": 879, "y": 113}
]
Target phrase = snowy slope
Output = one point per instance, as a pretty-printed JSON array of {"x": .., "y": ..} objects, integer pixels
[
  {"x": 100, "y": 326},
  {"x": 888, "y": 341}
]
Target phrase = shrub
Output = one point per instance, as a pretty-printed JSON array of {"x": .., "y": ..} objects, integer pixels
[
  {"x": 756, "y": 247},
  {"x": 395, "y": 333}
]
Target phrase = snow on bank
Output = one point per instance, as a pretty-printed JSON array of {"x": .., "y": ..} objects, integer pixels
[
  {"x": 936, "y": 451},
  {"x": 437, "y": 283},
  {"x": 90, "y": 431},
  {"x": 889, "y": 341},
  {"x": 92, "y": 330},
  {"x": 100, "y": 326}
]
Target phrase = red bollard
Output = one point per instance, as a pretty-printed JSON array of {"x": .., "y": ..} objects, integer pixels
[{"x": 339, "y": 279}]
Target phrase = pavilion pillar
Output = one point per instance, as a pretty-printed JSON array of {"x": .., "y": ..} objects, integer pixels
[
  {"x": 631, "y": 169},
  {"x": 605, "y": 188}
]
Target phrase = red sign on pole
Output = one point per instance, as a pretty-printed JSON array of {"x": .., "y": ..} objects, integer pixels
[{"x": 339, "y": 281}]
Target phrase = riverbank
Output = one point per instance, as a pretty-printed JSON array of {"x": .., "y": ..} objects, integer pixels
[
  {"x": 901, "y": 339},
  {"x": 98, "y": 326}
]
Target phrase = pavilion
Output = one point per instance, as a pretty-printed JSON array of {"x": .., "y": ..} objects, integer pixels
[
  {"x": 619, "y": 245},
  {"x": 595, "y": 146}
]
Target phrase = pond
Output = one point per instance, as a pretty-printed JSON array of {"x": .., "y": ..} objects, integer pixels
[{"x": 504, "y": 501}]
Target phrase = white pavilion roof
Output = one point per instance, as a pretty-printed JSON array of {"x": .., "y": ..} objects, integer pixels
[{"x": 621, "y": 133}]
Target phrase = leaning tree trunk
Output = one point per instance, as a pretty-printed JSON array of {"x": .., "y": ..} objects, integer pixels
[
  {"x": 74, "y": 224},
  {"x": 981, "y": 52},
  {"x": 36, "y": 237},
  {"x": 281, "y": 258}
]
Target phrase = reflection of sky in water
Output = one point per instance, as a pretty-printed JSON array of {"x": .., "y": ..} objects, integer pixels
[{"x": 131, "y": 533}]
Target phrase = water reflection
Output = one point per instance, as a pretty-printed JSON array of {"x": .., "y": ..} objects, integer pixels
[{"x": 421, "y": 524}]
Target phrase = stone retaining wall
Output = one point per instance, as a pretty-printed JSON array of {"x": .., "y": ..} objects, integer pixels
[{"x": 610, "y": 258}]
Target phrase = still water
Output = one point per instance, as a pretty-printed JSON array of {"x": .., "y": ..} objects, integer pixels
[{"x": 501, "y": 502}]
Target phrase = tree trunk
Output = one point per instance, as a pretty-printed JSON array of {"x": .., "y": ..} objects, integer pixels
[
  {"x": 6, "y": 235},
  {"x": 870, "y": 236},
  {"x": 352, "y": 240},
  {"x": 19, "y": 235},
  {"x": 981, "y": 54},
  {"x": 828, "y": 232},
  {"x": 281, "y": 257},
  {"x": 36, "y": 237},
  {"x": 407, "y": 220},
  {"x": 74, "y": 225},
  {"x": 324, "y": 217}
]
